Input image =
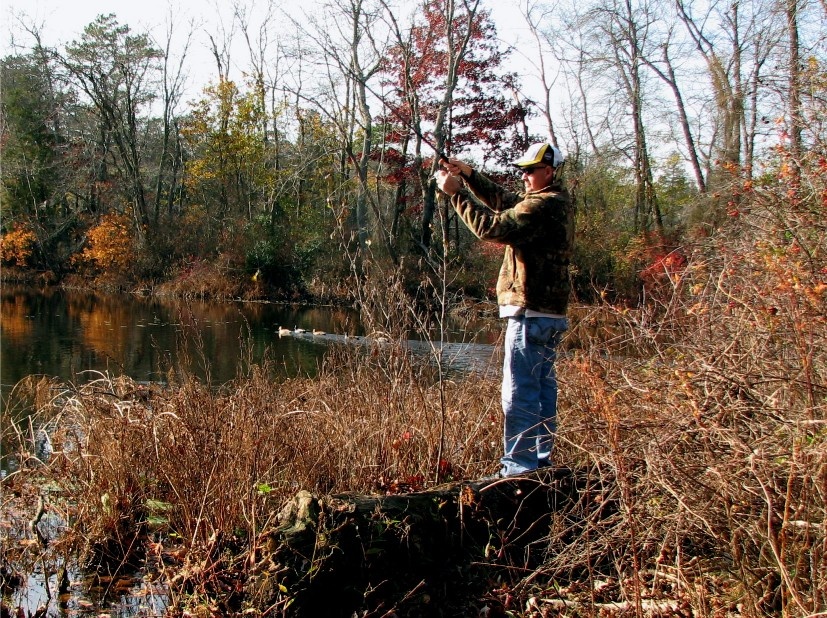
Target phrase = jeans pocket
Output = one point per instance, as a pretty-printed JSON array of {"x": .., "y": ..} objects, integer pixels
[
  {"x": 545, "y": 331},
  {"x": 538, "y": 331}
]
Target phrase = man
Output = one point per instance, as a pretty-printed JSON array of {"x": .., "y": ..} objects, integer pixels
[{"x": 537, "y": 231}]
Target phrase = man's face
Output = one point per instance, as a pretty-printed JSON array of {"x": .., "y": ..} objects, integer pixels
[{"x": 537, "y": 177}]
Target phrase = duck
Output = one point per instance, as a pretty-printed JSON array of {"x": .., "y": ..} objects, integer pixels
[
  {"x": 283, "y": 332},
  {"x": 318, "y": 333},
  {"x": 299, "y": 331},
  {"x": 381, "y": 337}
]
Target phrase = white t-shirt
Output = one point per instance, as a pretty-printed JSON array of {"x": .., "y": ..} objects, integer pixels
[{"x": 510, "y": 311}]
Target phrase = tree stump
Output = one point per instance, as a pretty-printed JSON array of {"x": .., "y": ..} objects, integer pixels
[{"x": 429, "y": 553}]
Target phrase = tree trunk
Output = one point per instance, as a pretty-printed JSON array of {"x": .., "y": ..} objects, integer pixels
[
  {"x": 349, "y": 555},
  {"x": 457, "y": 51},
  {"x": 669, "y": 77},
  {"x": 796, "y": 148},
  {"x": 726, "y": 82}
]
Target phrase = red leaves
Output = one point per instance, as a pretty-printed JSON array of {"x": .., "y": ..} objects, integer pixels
[
  {"x": 407, "y": 484},
  {"x": 663, "y": 262}
]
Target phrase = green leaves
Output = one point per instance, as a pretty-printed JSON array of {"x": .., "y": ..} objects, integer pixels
[
  {"x": 263, "y": 489},
  {"x": 157, "y": 512}
]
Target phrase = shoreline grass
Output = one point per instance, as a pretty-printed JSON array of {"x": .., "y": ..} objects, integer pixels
[{"x": 701, "y": 415}]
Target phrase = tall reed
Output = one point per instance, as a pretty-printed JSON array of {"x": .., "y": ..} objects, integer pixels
[{"x": 697, "y": 418}]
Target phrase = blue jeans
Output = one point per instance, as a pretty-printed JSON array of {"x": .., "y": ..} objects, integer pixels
[{"x": 529, "y": 392}]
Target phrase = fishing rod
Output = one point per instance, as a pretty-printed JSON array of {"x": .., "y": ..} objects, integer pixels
[
  {"x": 408, "y": 123},
  {"x": 439, "y": 152},
  {"x": 411, "y": 126}
]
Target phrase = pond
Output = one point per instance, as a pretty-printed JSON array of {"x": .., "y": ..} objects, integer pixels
[
  {"x": 75, "y": 336},
  {"x": 72, "y": 334}
]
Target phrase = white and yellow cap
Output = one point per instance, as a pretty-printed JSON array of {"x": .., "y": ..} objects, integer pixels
[{"x": 540, "y": 153}]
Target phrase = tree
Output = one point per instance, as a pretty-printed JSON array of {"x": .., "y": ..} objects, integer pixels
[
  {"x": 168, "y": 181},
  {"x": 38, "y": 176},
  {"x": 267, "y": 73},
  {"x": 29, "y": 154},
  {"x": 116, "y": 69},
  {"x": 534, "y": 14},
  {"x": 664, "y": 68},
  {"x": 603, "y": 52},
  {"x": 795, "y": 120},
  {"x": 735, "y": 41},
  {"x": 446, "y": 93},
  {"x": 350, "y": 45},
  {"x": 625, "y": 27},
  {"x": 226, "y": 172}
]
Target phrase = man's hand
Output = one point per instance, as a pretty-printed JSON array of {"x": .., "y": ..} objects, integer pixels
[
  {"x": 447, "y": 183},
  {"x": 455, "y": 167}
]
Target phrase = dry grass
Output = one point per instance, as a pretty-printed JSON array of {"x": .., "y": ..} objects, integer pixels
[
  {"x": 215, "y": 466},
  {"x": 712, "y": 438},
  {"x": 700, "y": 420}
]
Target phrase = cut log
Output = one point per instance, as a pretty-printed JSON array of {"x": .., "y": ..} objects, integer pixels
[{"x": 417, "y": 554}]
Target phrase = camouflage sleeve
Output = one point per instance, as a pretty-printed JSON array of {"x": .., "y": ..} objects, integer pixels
[
  {"x": 490, "y": 193},
  {"x": 503, "y": 217}
]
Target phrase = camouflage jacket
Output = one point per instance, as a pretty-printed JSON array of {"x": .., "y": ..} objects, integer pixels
[{"x": 537, "y": 230}]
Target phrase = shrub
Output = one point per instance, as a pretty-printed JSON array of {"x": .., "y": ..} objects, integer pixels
[
  {"x": 706, "y": 407},
  {"x": 110, "y": 248},
  {"x": 17, "y": 246}
]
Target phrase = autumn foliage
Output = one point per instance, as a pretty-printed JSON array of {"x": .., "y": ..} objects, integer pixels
[
  {"x": 693, "y": 385},
  {"x": 110, "y": 246},
  {"x": 17, "y": 246}
]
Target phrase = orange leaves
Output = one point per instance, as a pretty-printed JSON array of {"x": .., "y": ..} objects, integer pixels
[
  {"x": 110, "y": 245},
  {"x": 17, "y": 246},
  {"x": 17, "y": 324},
  {"x": 664, "y": 264}
]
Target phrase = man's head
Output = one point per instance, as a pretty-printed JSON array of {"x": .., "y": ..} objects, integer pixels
[{"x": 539, "y": 165}]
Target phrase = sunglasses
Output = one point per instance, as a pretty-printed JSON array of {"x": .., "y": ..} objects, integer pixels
[{"x": 531, "y": 170}]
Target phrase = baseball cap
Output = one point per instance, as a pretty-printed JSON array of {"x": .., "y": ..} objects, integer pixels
[{"x": 541, "y": 152}]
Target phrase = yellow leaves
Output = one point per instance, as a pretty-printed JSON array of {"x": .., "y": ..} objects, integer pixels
[
  {"x": 17, "y": 246},
  {"x": 109, "y": 246},
  {"x": 225, "y": 133}
]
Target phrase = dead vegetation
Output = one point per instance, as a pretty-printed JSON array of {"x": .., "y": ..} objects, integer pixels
[{"x": 697, "y": 421}]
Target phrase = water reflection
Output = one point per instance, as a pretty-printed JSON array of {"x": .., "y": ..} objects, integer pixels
[
  {"x": 72, "y": 334},
  {"x": 64, "y": 334}
]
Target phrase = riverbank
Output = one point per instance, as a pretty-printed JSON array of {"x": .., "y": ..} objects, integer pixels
[
  {"x": 192, "y": 485},
  {"x": 699, "y": 420},
  {"x": 201, "y": 282}
]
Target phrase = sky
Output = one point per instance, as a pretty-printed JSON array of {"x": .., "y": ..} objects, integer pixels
[
  {"x": 62, "y": 21},
  {"x": 65, "y": 19}
]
